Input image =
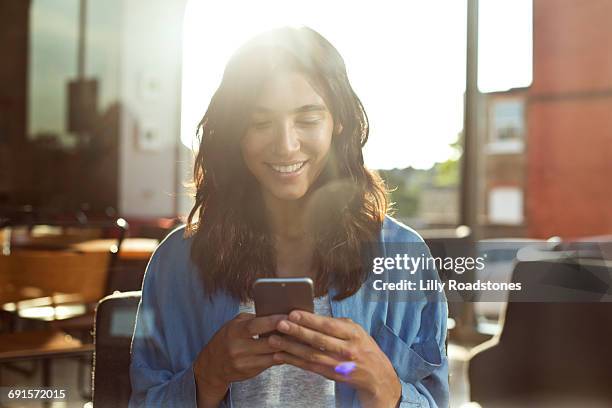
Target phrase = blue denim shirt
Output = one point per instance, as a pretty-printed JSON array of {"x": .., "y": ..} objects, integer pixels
[{"x": 176, "y": 320}]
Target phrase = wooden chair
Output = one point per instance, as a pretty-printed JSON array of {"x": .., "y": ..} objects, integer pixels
[
  {"x": 46, "y": 266},
  {"x": 60, "y": 272},
  {"x": 69, "y": 283},
  {"x": 45, "y": 279}
]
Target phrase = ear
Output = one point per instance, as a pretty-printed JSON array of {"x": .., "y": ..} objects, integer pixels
[{"x": 338, "y": 129}]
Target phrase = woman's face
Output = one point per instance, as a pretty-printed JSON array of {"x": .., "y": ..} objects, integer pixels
[{"x": 288, "y": 140}]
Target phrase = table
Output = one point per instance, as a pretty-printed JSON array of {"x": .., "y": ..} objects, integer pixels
[{"x": 131, "y": 248}]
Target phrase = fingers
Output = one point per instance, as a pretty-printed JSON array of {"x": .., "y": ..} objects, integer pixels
[
  {"x": 328, "y": 372},
  {"x": 256, "y": 363},
  {"x": 253, "y": 326},
  {"x": 335, "y": 327},
  {"x": 303, "y": 351},
  {"x": 314, "y": 338},
  {"x": 255, "y": 347}
]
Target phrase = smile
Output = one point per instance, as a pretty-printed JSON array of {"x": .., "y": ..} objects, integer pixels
[{"x": 287, "y": 169}]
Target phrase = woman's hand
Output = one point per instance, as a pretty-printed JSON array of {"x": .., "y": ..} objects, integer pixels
[
  {"x": 234, "y": 355},
  {"x": 319, "y": 344}
]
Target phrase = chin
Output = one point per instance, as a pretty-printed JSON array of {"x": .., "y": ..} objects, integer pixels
[{"x": 288, "y": 194}]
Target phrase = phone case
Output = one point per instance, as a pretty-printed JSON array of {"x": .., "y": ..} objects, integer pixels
[{"x": 282, "y": 295}]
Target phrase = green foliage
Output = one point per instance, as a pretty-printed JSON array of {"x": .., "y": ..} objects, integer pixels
[
  {"x": 407, "y": 184},
  {"x": 446, "y": 174},
  {"x": 404, "y": 194}
]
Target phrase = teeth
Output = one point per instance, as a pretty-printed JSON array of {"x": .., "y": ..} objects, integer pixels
[{"x": 288, "y": 169}]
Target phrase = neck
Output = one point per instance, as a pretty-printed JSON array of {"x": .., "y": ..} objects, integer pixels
[
  {"x": 286, "y": 218},
  {"x": 294, "y": 246}
]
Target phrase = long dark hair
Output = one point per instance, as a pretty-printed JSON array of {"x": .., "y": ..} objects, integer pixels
[{"x": 232, "y": 245}]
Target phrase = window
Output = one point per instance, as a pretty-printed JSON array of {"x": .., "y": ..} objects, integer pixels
[
  {"x": 506, "y": 206},
  {"x": 506, "y": 126}
]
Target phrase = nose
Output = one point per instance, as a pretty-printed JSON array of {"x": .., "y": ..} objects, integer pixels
[{"x": 287, "y": 141}]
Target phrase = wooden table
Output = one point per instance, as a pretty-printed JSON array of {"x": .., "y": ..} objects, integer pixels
[
  {"x": 131, "y": 248},
  {"x": 43, "y": 344}
]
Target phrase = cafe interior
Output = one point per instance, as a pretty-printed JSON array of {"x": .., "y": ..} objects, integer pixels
[{"x": 99, "y": 102}]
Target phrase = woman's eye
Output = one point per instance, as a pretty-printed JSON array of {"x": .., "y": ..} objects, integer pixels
[
  {"x": 261, "y": 124},
  {"x": 308, "y": 121}
]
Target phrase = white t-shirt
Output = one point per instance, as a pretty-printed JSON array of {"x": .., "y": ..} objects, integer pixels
[{"x": 285, "y": 385}]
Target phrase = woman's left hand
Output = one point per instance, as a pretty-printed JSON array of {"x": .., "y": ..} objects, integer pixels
[{"x": 319, "y": 344}]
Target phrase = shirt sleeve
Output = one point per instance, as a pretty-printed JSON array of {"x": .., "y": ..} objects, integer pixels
[
  {"x": 421, "y": 363},
  {"x": 433, "y": 390},
  {"x": 154, "y": 381},
  {"x": 422, "y": 368}
]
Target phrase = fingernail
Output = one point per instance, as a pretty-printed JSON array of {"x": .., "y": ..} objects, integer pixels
[
  {"x": 277, "y": 357},
  {"x": 283, "y": 326},
  {"x": 295, "y": 316},
  {"x": 275, "y": 341}
]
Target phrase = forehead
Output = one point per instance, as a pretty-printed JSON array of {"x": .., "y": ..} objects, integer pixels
[{"x": 287, "y": 91}]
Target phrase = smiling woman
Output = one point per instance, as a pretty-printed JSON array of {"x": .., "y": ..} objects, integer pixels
[
  {"x": 284, "y": 133},
  {"x": 287, "y": 144},
  {"x": 282, "y": 191}
]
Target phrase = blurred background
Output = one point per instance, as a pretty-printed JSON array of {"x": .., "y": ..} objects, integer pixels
[{"x": 491, "y": 120}]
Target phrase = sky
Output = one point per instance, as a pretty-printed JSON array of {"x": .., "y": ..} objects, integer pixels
[{"x": 405, "y": 60}]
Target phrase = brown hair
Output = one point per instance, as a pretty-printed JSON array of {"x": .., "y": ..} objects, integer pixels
[{"x": 232, "y": 245}]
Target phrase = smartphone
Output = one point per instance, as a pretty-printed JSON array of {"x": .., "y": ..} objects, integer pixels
[{"x": 282, "y": 295}]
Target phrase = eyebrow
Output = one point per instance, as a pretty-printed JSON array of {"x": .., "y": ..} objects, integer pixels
[{"x": 301, "y": 109}]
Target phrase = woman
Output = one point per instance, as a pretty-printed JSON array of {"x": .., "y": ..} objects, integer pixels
[{"x": 281, "y": 190}]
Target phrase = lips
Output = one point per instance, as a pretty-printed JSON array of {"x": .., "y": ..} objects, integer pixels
[{"x": 287, "y": 168}]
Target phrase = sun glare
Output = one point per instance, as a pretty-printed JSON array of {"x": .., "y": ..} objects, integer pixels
[{"x": 405, "y": 60}]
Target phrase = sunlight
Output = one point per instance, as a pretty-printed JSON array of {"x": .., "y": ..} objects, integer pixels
[
  {"x": 505, "y": 44},
  {"x": 405, "y": 60}
]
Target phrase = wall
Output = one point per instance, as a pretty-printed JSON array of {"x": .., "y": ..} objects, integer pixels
[
  {"x": 569, "y": 164},
  {"x": 150, "y": 83},
  {"x": 14, "y": 18}
]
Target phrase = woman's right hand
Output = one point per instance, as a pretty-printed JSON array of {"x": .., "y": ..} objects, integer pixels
[{"x": 233, "y": 355}]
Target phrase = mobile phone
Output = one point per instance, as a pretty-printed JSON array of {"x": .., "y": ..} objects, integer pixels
[{"x": 282, "y": 295}]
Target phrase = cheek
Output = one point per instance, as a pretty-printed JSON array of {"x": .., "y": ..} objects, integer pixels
[
  {"x": 250, "y": 149},
  {"x": 320, "y": 143}
]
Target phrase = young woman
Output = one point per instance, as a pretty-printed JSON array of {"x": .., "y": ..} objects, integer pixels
[{"x": 282, "y": 191}]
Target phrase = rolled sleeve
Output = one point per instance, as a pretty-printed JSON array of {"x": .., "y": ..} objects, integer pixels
[
  {"x": 425, "y": 379},
  {"x": 427, "y": 383},
  {"x": 432, "y": 392}
]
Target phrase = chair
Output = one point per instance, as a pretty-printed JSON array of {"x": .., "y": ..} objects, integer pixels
[
  {"x": 114, "y": 326},
  {"x": 48, "y": 288},
  {"x": 53, "y": 246},
  {"x": 56, "y": 272},
  {"x": 555, "y": 342},
  {"x": 456, "y": 243},
  {"x": 53, "y": 285}
]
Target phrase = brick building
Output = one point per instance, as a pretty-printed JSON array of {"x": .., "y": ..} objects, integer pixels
[
  {"x": 569, "y": 159},
  {"x": 564, "y": 174}
]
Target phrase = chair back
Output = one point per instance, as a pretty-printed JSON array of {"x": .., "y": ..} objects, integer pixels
[
  {"x": 556, "y": 347},
  {"x": 114, "y": 326},
  {"x": 48, "y": 273},
  {"x": 451, "y": 245}
]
